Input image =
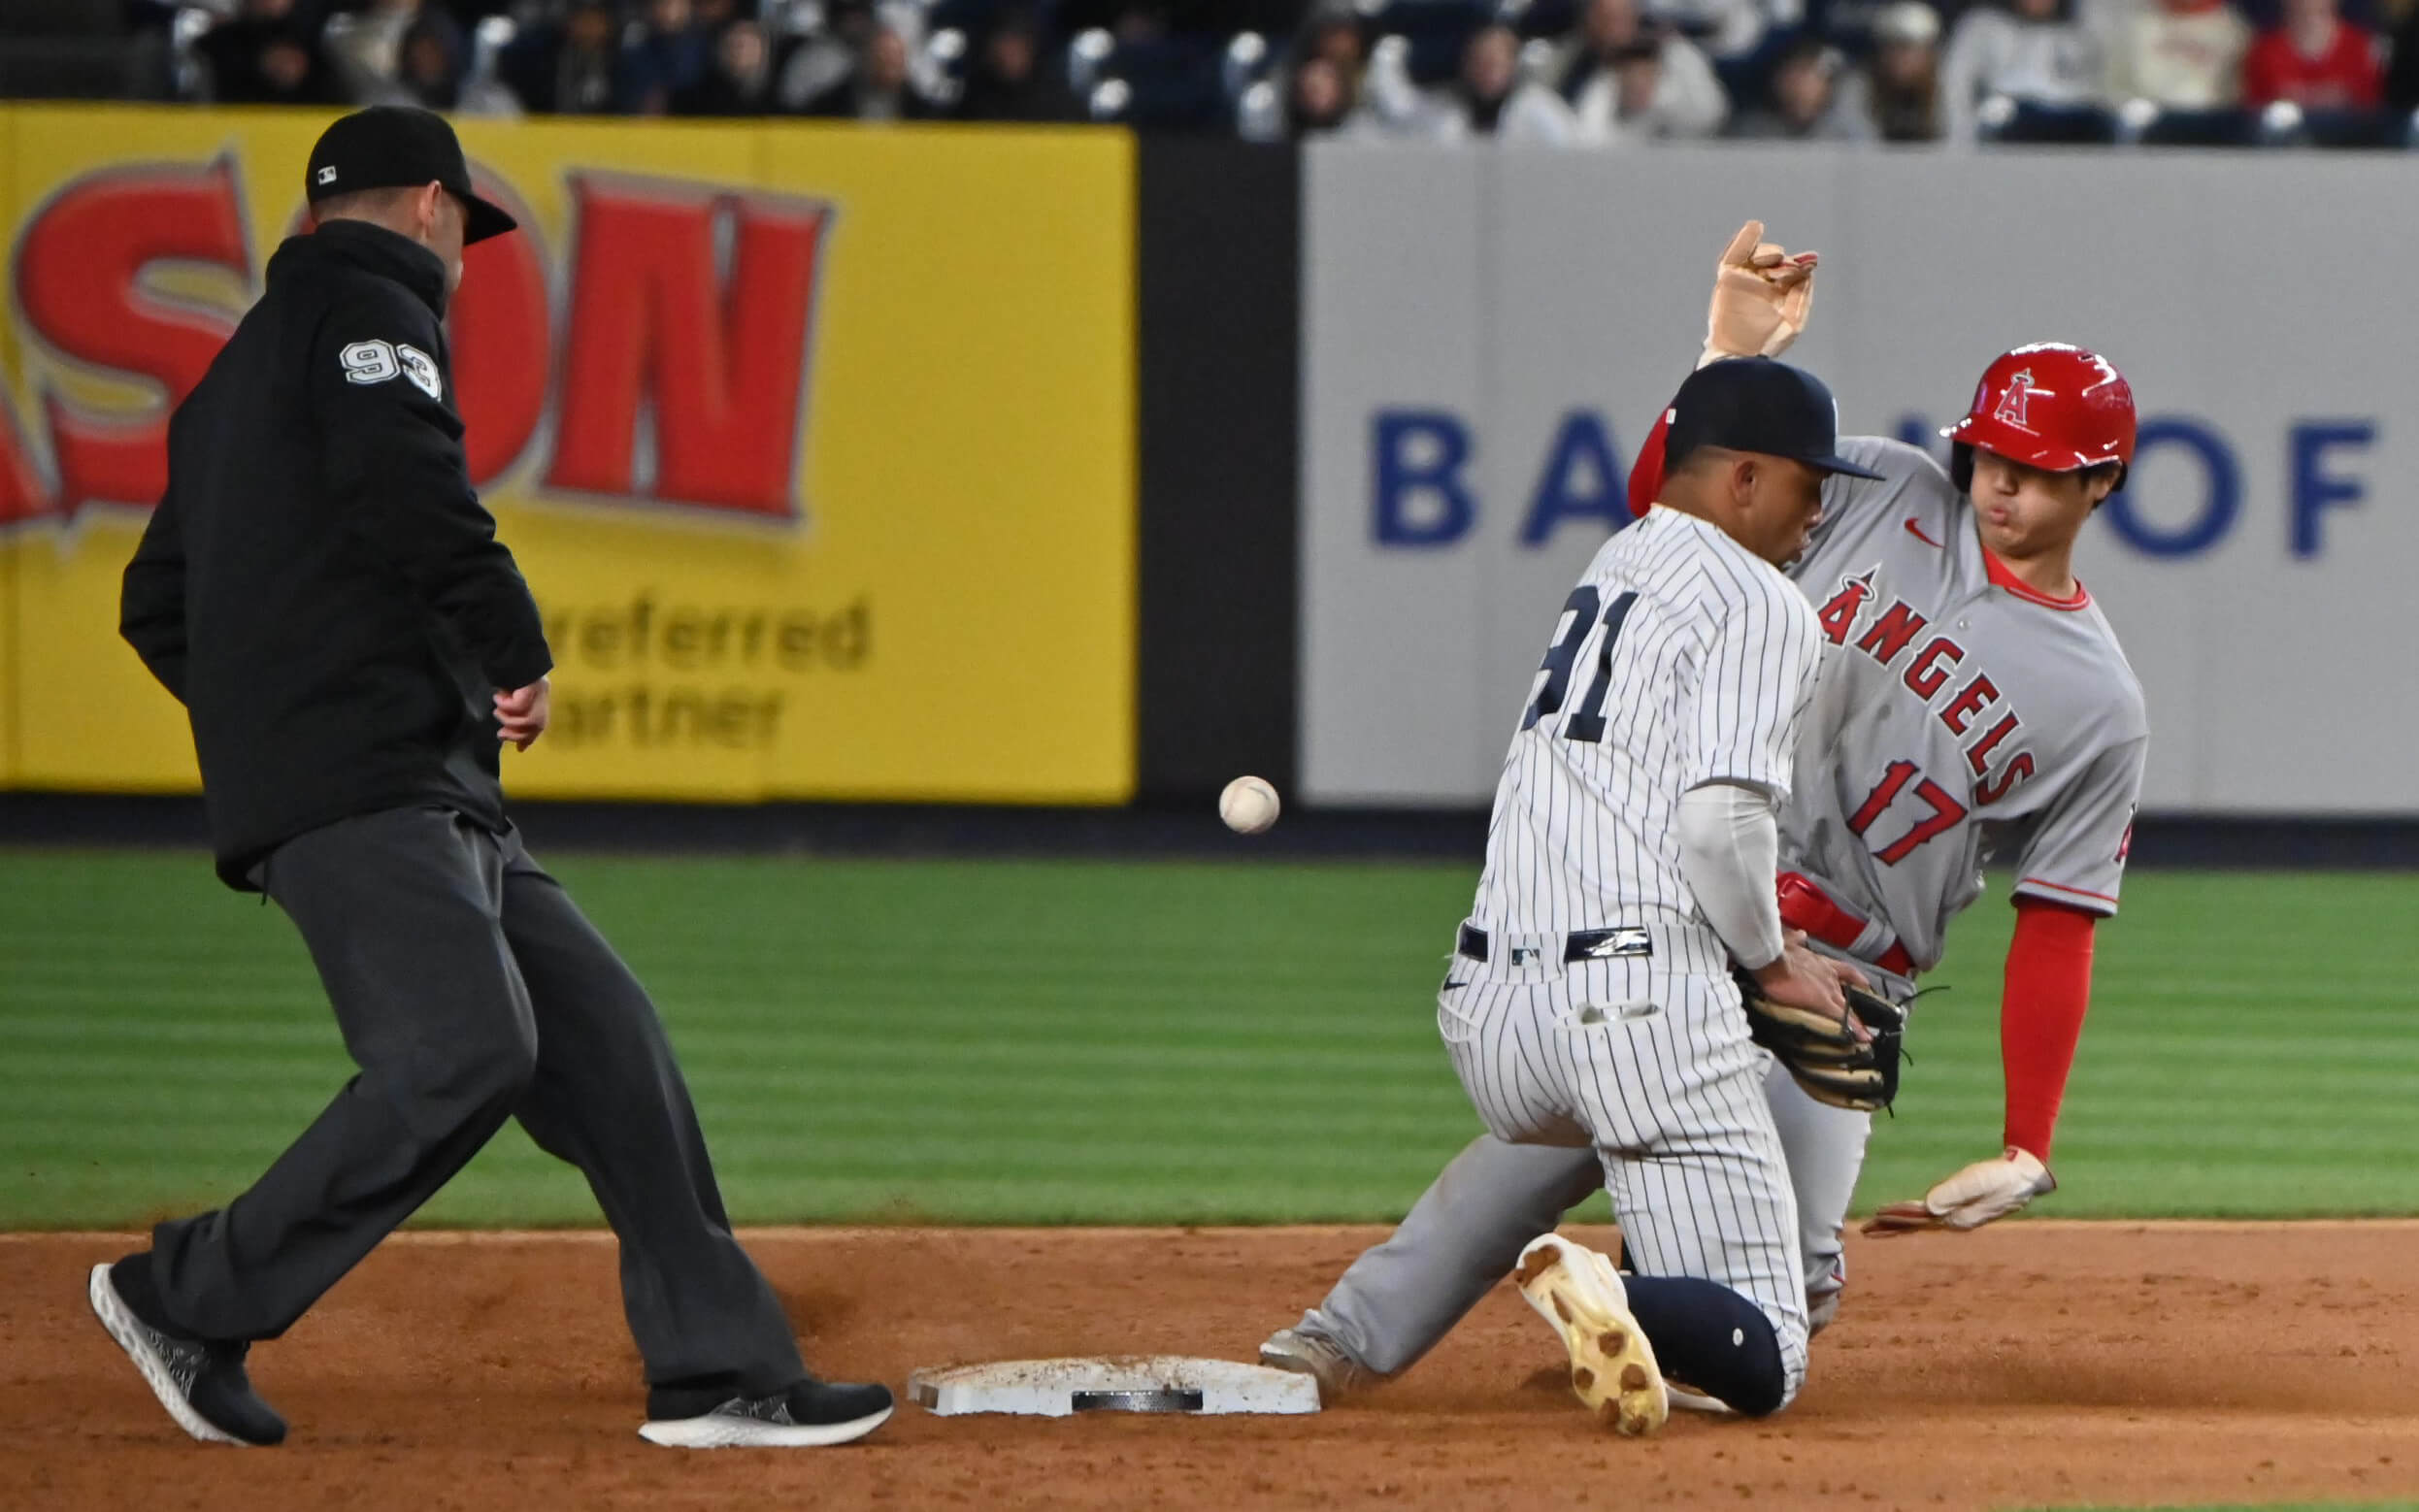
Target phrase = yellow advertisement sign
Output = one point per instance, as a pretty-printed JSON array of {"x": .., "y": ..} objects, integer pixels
[{"x": 816, "y": 443}]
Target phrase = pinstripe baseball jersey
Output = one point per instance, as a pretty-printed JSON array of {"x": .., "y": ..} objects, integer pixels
[
  {"x": 1682, "y": 658},
  {"x": 1961, "y": 716}
]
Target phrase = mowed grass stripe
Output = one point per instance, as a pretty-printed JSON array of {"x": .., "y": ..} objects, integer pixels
[{"x": 1139, "y": 1041}]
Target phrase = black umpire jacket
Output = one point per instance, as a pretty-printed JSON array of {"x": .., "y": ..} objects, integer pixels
[{"x": 320, "y": 585}]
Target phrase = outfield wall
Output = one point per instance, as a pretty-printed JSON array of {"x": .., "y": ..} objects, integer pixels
[
  {"x": 1054, "y": 467},
  {"x": 1489, "y": 336},
  {"x": 816, "y": 445}
]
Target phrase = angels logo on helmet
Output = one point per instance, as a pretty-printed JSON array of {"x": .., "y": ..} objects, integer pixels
[{"x": 2011, "y": 405}]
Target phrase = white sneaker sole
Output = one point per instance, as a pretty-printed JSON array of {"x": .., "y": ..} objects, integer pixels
[
  {"x": 128, "y": 1331},
  {"x": 1613, "y": 1367},
  {"x": 713, "y": 1431},
  {"x": 1684, "y": 1399}
]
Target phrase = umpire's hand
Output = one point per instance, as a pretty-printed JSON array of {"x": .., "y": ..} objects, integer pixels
[{"x": 521, "y": 714}]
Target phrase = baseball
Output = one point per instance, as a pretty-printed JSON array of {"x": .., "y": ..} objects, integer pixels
[{"x": 1248, "y": 806}]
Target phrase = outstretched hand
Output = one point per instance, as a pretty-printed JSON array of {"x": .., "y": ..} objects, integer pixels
[
  {"x": 1761, "y": 296},
  {"x": 1981, "y": 1192}
]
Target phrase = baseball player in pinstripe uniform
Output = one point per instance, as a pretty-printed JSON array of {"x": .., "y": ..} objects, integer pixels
[
  {"x": 1589, "y": 1002},
  {"x": 1974, "y": 702}
]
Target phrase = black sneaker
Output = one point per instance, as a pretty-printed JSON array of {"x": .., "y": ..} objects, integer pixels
[
  {"x": 201, "y": 1382},
  {"x": 809, "y": 1415}
]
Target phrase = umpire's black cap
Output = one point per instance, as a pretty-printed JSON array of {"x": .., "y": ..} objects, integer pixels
[
  {"x": 1754, "y": 403},
  {"x": 391, "y": 147}
]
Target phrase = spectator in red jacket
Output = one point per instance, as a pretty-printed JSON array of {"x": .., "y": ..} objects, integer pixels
[{"x": 2317, "y": 59}]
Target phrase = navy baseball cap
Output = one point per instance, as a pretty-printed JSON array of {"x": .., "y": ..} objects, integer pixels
[
  {"x": 1754, "y": 403},
  {"x": 398, "y": 147}
]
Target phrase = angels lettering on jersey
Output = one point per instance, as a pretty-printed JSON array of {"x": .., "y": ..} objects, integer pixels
[
  {"x": 1992, "y": 745},
  {"x": 1961, "y": 716}
]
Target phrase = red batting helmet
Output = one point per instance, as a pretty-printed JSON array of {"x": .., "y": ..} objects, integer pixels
[{"x": 2049, "y": 405}]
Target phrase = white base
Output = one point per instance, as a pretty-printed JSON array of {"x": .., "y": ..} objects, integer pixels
[{"x": 1127, "y": 1383}]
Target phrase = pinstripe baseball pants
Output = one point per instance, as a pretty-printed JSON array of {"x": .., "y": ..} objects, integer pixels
[{"x": 1654, "y": 1069}]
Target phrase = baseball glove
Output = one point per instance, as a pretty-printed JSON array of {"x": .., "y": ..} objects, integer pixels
[{"x": 1826, "y": 1056}]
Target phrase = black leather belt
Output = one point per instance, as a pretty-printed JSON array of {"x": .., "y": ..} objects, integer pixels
[{"x": 1614, "y": 944}]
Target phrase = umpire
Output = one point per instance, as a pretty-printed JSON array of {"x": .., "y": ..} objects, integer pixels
[{"x": 325, "y": 594}]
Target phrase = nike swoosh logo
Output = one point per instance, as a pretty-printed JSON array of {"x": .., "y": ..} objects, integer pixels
[
  {"x": 1916, "y": 531},
  {"x": 1449, "y": 986}
]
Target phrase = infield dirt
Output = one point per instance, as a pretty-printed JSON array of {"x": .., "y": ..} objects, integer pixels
[{"x": 2031, "y": 1364}]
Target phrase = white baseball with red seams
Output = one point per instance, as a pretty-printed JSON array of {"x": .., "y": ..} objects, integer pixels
[{"x": 1248, "y": 806}]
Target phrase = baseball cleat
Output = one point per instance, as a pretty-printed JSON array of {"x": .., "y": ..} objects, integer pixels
[
  {"x": 810, "y": 1415},
  {"x": 1613, "y": 1367},
  {"x": 1339, "y": 1375},
  {"x": 201, "y": 1382},
  {"x": 1686, "y": 1398}
]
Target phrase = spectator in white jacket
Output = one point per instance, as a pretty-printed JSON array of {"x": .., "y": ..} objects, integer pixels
[
  {"x": 2185, "y": 55},
  {"x": 1628, "y": 79},
  {"x": 2035, "y": 53},
  {"x": 1491, "y": 99}
]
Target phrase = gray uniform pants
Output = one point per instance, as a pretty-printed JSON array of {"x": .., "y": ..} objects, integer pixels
[
  {"x": 1466, "y": 1229},
  {"x": 470, "y": 990}
]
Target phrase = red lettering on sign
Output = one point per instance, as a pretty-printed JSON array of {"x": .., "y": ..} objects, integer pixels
[
  {"x": 21, "y": 495},
  {"x": 503, "y": 341},
  {"x": 79, "y": 279},
  {"x": 714, "y": 347}
]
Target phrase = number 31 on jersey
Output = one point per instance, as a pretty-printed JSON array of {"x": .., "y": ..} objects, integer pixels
[{"x": 1587, "y": 721}]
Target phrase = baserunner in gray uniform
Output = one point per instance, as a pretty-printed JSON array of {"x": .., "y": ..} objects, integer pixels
[{"x": 1974, "y": 706}]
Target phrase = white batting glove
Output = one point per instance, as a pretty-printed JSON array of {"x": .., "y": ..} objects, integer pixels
[
  {"x": 1761, "y": 296},
  {"x": 1983, "y": 1191}
]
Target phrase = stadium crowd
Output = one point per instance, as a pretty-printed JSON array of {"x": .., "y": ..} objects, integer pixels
[{"x": 1581, "y": 73}]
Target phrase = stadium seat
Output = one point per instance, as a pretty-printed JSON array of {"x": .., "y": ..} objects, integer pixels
[
  {"x": 2286, "y": 124},
  {"x": 1552, "y": 18},
  {"x": 2350, "y": 129},
  {"x": 2141, "y": 121},
  {"x": 61, "y": 18},
  {"x": 67, "y": 50},
  {"x": 1433, "y": 31},
  {"x": 68, "y": 68},
  {"x": 1168, "y": 83},
  {"x": 2003, "y": 119},
  {"x": 961, "y": 16}
]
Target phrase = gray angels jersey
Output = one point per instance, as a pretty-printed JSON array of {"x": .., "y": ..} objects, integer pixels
[
  {"x": 1960, "y": 716},
  {"x": 1682, "y": 658}
]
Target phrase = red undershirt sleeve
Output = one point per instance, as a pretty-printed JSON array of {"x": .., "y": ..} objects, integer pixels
[
  {"x": 1646, "y": 472},
  {"x": 2041, "y": 1015}
]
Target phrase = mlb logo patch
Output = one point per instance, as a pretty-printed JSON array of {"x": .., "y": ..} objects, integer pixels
[{"x": 327, "y": 175}]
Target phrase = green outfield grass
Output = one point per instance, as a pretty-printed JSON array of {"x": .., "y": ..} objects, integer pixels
[{"x": 1136, "y": 1041}]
